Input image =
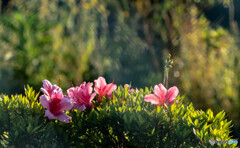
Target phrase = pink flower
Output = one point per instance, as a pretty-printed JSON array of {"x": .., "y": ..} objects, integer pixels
[
  {"x": 48, "y": 88},
  {"x": 103, "y": 89},
  {"x": 56, "y": 104},
  {"x": 161, "y": 95},
  {"x": 129, "y": 87},
  {"x": 82, "y": 96}
]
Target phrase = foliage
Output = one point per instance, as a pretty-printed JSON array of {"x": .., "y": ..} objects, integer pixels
[
  {"x": 131, "y": 122},
  {"x": 206, "y": 56},
  {"x": 37, "y": 43},
  {"x": 125, "y": 41},
  {"x": 207, "y": 64}
]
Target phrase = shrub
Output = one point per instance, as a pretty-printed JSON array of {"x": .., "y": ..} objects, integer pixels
[{"x": 124, "y": 120}]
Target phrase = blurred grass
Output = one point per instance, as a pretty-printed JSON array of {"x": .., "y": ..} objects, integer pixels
[{"x": 125, "y": 41}]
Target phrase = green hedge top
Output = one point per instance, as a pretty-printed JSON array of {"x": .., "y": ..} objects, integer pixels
[{"x": 123, "y": 120}]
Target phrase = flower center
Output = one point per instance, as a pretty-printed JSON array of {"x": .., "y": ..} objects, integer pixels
[{"x": 55, "y": 106}]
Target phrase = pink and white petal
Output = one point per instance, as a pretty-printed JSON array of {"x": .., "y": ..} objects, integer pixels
[
  {"x": 50, "y": 115},
  {"x": 78, "y": 106},
  {"x": 96, "y": 89},
  {"x": 126, "y": 85},
  {"x": 81, "y": 108},
  {"x": 92, "y": 97},
  {"x": 44, "y": 101},
  {"x": 47, "y": 85},
  {"x": 102, "y": 81},
  {"x": 66, "y": 104},
  {"x": 172, "y": 93},
  {"x": 56, "y": 87},
  {"x": 76, "y": 92},
  {"x": 109, "y": 89},
  {"x": 109, "y": 95},
  {"x": 160, "y": 91},
  {"x": 44, "y": 91},
  {"x": 70, "y": 91},
  {"x": 97, "y": 83},
  {"x": 83, "y": 84},
  {"x": 63, "y": 117},
  {"x": 89, "y": 87},
  {"x": 57, "y": 94},
  {"x": 152, "y": 98},
  {"x": 131, "y": 90},
  {"x": 114, "y": 87}
]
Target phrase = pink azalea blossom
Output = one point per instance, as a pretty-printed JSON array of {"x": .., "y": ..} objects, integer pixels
[
  {"x": 161, "y": 95},
  {"x": 103, "y": 89},
  {"x": 129, "y": 87},
  {"x": 56, "y": 104},
  {"x": 82, "y": 96},
  {"x": 48, "y": 88}
]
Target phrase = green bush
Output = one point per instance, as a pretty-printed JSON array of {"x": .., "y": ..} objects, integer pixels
[
  {"x": 125, "y": 120},
  {"x": 123, "y": 41}
]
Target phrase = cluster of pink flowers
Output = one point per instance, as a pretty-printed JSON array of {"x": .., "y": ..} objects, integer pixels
[{"x": 79, "y": 97}]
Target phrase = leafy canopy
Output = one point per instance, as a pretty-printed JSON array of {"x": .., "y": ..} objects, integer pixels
[{"x": 123, "y": 120}]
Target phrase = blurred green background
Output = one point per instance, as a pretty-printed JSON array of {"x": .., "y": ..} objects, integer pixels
[{"x": 126, "y": 41}]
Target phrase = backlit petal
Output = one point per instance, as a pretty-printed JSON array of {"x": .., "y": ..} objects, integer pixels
[
  {"x": 81, "y": 108},
  {"x": 66, "y": 104},
  {"x": 152, "y": 98},
  {"x": 70, "y": 92},
  {"x": 160, "y": 91},
  {"x": 44, "y": 101},
  {"x": 92, "y": 97},
  {"x": 63, "y": 117},
  {"x": 50, "y": 115},
  {"x": 131, "y": 90},
  {"x": 56, "y": 87},
  {"x": 44, "y": 91},
  {"x": 46, "y": 84},
  {"x": 102, "y": 81},
  {"x": 57, "y": 94},
  {"x": 109, "y": 89},
  {"x": 172, "y": 93}
]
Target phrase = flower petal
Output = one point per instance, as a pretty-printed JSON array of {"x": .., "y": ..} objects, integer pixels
[
  {"x": 102, "y": 81},
  {"x": 63, "y": 117},
  {"x": 44, "y": 91},
  {"x": 81, "y": 108},
  {"x": 56, "y": 87},
  {"x": 49, "y": 115},
  {"x": 131, "y": 90},
  {"x": 160, "y": 91},
  {"x": 66, "y": 104},
  {"x": 46, "y": 84},
  {"x": 127, "y": 85},
  {"x": 109, "y": 89},
  {"x": 152, "y": 98},
  {"x": 99, "y": 83},
  {"x": 57, "y": 94},
  {"x": 44, "y": 101},
  {"x": 172, "y": 93},
  {"x": 89, "y": 87},
  {"x": 92, "y": 97},
  {"x": 70, "y": 92}
]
